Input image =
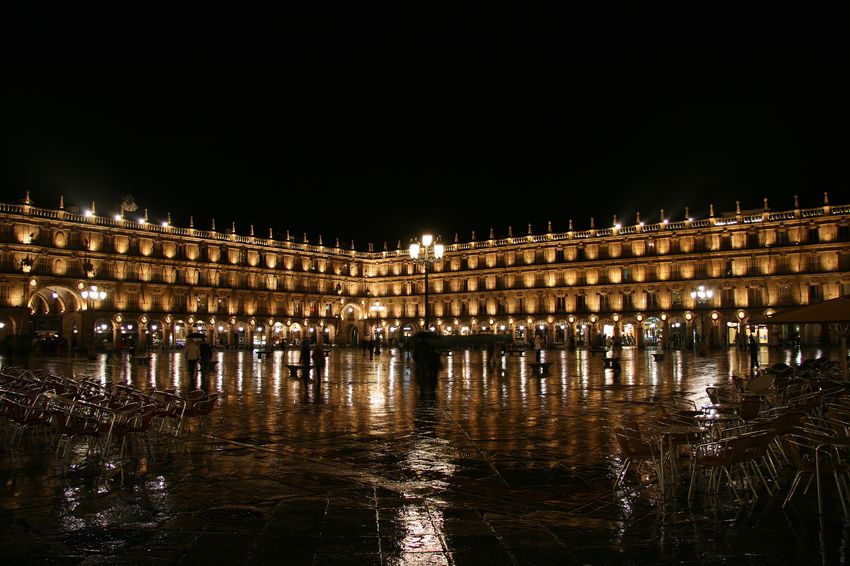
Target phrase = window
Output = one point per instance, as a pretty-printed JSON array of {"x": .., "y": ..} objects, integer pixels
[
  {"x": 814, "y": 235},
  {"x": 627, "y": 274},
  {"x": 815, "y": 293},
  {"x": 753, "y": 267},
  {"x": 561, "y": 304},
  {"x": 755, "y": 297},
  {"x": 699, "y": 245},
  {"x": 676, "y": 298},
  {"x": 651, "y": 300},
  {"x": 581, "y": 303},
  {"x": 604, "y": 303},
  {"x": 727, "y": 298},
  {"x": 627, "y": 302}
]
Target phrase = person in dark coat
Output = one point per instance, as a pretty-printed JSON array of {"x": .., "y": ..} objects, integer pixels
[
  {"x": 205, "y": 356},
  {"x": 305, "y": 358},
  {"x": 422, "y": 351},
  {"x": 318, "y": 359},
  {"x": 434, "y": 367},
  {"x": 754, "y": 354}
]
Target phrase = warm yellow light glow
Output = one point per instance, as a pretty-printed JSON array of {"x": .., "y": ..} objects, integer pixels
[{"x": 414, "y": 250}]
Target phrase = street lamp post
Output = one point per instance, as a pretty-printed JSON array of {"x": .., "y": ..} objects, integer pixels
[
  {"x": 92, "y": 295},
  {"x": 702, "y": 296},
  {"x": 427, "y": 253}
]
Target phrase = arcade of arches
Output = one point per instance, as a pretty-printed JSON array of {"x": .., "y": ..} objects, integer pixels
[{"x": 62, "y": 318}]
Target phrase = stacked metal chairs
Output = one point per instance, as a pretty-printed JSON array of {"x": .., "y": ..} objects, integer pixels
[
  {"x": 636, "y": 449},
  {"x": 734, "y": 459},
  {"x": 91, "y": 419}
]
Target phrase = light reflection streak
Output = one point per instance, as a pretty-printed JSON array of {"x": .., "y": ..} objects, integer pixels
[
  {"x": 392, "y": 378},
  {"x": 423, "y": 533},
  {"x": 653, "y": 369},
  {"x": 152, "y": 372},
  {"x": 240, "y": 371},
  {"x": 177, "y": 364},
  {"x": 377, "y": 398},
  {"x": 678, "y": 366}
]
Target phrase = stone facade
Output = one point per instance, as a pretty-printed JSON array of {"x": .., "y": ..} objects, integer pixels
[{"x": 622, "y": 284}]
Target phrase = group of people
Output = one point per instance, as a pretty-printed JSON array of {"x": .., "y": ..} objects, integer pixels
[
  {"x": 425, "y": 357},
  {"x": 198, "y": 352},
  {"x": 373, "y": 347},
  {"x": 427, "y": 366},
  {"x": 316, "y": 354}
]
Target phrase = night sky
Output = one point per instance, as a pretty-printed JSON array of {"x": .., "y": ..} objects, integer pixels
[{"x": 375, "y": 126}]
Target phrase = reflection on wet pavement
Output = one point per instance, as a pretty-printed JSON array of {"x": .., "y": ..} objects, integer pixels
[{"x": 501, "y": 467}]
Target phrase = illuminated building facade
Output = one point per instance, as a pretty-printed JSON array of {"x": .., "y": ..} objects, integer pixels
[{"x": 633, "y": 284}]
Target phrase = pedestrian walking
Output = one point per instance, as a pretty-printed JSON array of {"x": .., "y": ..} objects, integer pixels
[
  {"x": 422, "y": 360},
  {"x": 204, "y": 356},
  {"x": 491, "y": 355},
  {"x": 538, "y": 348},
  {"x": 435, "y": 365},
  {"x": 754, "y": 354},
  {"x": 318, "y": 359},
  {"x": 193, "y": 354},
  {"x": 305, "y": 358}
]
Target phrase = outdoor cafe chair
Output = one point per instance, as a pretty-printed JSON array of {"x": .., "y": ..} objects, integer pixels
[
  {"x": 170, "y": 408},
  {"x": 679, "y": 407},
  {"x": 636, "y": 450},
  {"x": 199, "y": 406},
  {"x": 81, "y": 419},
  {"x": 139, "y": 425},
  {"x": 815, "y": 455},
  {"x": 23, "y": 413},
  {"x": 718, "y": 394},
  {"x": 733, "y": 459}
]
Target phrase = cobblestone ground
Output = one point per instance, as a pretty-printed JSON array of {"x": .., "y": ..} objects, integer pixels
[{"x": 499, "y": 466}]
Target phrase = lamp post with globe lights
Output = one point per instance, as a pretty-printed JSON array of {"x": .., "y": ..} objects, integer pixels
[
  {"x": 426, "y": 253},
  {"x": 702, "y": 295},
  {"x": 92, "y": 295}
]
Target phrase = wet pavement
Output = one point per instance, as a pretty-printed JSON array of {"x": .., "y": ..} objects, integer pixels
[{"x": 498, "y": 467}]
